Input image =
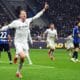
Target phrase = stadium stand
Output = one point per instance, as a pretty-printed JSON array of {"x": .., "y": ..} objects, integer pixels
[{"x": 63, "y": 13}]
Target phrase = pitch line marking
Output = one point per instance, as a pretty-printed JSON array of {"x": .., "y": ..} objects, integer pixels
[
  {"x": 36, "y": 67},
  {"x": 33, "y": 66},
  {"x": 43, "y": 66}
]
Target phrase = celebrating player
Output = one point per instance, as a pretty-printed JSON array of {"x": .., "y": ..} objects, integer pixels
[
  {"x": 51, "y": 37},
  {"x": 76, "y": 43},
  {"x": 21, "y": 36},
  {"x": 5, "y": 41},
  {"x": 69, "y": 44},
  {"x": 27, "y": 54}
]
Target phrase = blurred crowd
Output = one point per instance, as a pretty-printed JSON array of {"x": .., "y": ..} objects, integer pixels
[{"x": 63, "y": 13}]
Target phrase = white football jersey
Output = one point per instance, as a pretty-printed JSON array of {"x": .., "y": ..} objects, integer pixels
[
  {"x": 21, "y": 34},
  {"x": 69, "y": 39},
  {"x": 51, "y": 34}
]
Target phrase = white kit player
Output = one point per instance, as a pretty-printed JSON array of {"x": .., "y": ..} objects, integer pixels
[
  {"x": 51, "y": 37},
  {"x": 27, "y": 54},
  {"x": 21, "y": 35},
  {"x": 69, "y": 44}
]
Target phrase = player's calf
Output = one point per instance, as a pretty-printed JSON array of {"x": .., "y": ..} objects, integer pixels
[
  {"x": 75, "y": 54},
  {"x": 49, "y": 52},
  {"x": 16, "y": 58},
  {"x": 22, "y": 56},
  {"x": 10, "y": 57},
  {"x": 52, "y": 54}
]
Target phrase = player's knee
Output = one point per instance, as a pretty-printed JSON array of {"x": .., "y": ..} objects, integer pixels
[
  {"x": 52, "y": 49},
  {"x": 22, "y": 56},
  {"x": 22, "y": 59}
]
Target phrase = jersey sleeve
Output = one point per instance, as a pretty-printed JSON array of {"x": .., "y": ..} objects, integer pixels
[
  {"x": 56, "y": 32},
  {"x": 11, "y": 25},
  {"x": 39, "y": 14},
  {"x": 30, "y": 38},
  {"x": 46, "y": 31},
  {"x": 73, "y": 32},
  {"x": 4, "y": 28}
]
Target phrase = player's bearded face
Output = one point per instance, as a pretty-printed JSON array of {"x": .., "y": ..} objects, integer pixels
[{"x": 23, "y": 15}]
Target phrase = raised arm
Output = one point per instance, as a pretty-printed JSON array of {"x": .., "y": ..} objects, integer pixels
[
  {"x": 4, "y": 28},
  {"x": 41, "y": 12}
]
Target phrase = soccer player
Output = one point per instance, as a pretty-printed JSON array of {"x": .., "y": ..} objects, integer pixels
[
  {"x": 69, "y": 44},
  {"x": 21, "y": 35},
  {"x": 51, "y": 37},
  {"x": 27, "y": 54},
  {"x": 5, "y": 41},
  {"x": 76, "y": 43}
]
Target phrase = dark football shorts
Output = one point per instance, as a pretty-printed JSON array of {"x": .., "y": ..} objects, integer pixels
[
  {"x": 76, "y": 45},
  {"x": 4, "y": 47}
]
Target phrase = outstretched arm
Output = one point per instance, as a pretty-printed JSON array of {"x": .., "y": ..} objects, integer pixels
[
  {"x": 4, "y": 28},
  {"x": 41, "y": 12},
  {"x": 11, "y": 25}
]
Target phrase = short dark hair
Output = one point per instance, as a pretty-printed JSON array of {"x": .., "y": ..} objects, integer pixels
[
  {"x": 76, "y": 23},
  {"x": 51, "y": 24},
  {"x": 22, "y": 10}
]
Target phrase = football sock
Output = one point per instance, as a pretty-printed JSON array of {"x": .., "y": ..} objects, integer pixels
[
  {"x": 20, "y": 66},
  {"x": 49, "y": 51},
  {"x": 28, "y": 57},
  {"x": 52, "y": 52},
  {"x": 75, "y": 55},
  {"x": 9, "y": 56}
]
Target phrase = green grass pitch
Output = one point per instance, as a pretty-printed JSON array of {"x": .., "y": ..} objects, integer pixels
[{"x": 43, "y": 68}]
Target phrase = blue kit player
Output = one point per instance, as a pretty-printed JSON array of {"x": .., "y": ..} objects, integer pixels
[
  {"x": 5, "y": 41},
  {"x": 76, "y": 37}
]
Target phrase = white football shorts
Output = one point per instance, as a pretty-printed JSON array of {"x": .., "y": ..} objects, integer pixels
[
  {"x": 21, "y": 47},
  {"x": 51, "y": 44}
]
